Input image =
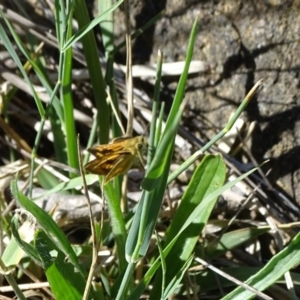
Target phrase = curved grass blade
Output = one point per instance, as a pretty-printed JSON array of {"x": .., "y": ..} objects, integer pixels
[
  {"x": 71, "y": 184},
  {"x": 174, "y": 283},
  {"x": 9, "y": 256},
  {"x": 155, "y": 181},
  {"x": 165, "y": 148},
  {"x": 65, "y": 283},
  {"x": 65, "y": 77},
  {"x": 269, "y": 274},
  {"x": 117, "y": 223},
  {"x": 201, "y": 208},
  {"x": 86, "y": 28},
  {"x": 91, "y": 54},
  {"x": 207, "y": 178},
  {"x": 233, "y": 239},
  {"x": 47, "y": 223}
]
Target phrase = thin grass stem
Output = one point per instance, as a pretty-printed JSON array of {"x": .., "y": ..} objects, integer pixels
[{"x": 228, "y": 126}]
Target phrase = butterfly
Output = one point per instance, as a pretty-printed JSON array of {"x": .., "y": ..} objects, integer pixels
[{"x": 116, "y": 158}]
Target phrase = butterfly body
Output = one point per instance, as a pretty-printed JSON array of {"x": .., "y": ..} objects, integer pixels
[{"x": 116, "y": 158}]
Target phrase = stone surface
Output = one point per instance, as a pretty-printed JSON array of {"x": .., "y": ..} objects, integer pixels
[{"x": 242, "y": 41}]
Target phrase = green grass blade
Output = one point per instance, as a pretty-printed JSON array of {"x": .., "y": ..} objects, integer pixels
[
  {"x": 117, "y": 223},
  {"x": 165, "y": 147},
  {"x": 174, "y": 283},
  {"x": 148, "y": 208},
  {"x": 179, "y": 95},
  {"x": 163, "y": 264},
  {"x": 138, "y": 32},
  {"x": 12, "y": 253},
  {"x": 155, "y": 180},
  {"x": 144, "y": 220},
  {"x": 233, "y": 239},
  {"x": 47, "y": 223},
  {"x": 5, "y": 40},
  {"x": 56, "y": 117},
  {"x": 139, "y": 222},
  {"x": 151, "y": 141},
  {"x": 107, "y": 24},
  {"x": 86, "y": 28},
  {"x": 201, "y": 208},
  {"x": 132, "y": 238},
  {"x": 22, "y": 241},
  {"x": 142, "y": 227},
  {"x": 107, "y": 30},
  {"x": 159, "y": 125},
  {"x": 64, "y": 281},
  {"x": 218, "y": 136},
  {"x": 65, "y": 76},
  {"x": 271, "y": 272},
  {"x": 93, "y": 64},
  {"x": 152, "y": 211},
  {"x": 207, "y": 178},
  {"x": 71, "y": 184}
]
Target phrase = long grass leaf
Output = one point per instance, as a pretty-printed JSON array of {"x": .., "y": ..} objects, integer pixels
[
  {"x": 47, "y": 223},
  {"x": 93, "y": 64},
  {"x": 201, "y": 208},
  {"x": 64, "y": 281},
  {"x": 208, "y": 177},
  {"x": 88, "y": 27},
  {"x": 271, "y": 272},
  {"x": 165, "y": 146}
]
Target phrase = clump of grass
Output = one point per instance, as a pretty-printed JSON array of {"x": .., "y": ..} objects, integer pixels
[{"x": 178, "y": 251}]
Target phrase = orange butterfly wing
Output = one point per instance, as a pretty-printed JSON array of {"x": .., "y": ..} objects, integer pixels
[
  {"x": 115, "y": 158},
  {"x": 121, "y": 166},
  {"x": 101, "y": 165}
]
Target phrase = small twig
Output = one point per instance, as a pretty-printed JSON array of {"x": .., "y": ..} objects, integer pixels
[
  {"x": 115, "y": 111},
  {"x": 47, "y": 164},
  {"x": 129, "y": 85},
  {"x": 37, "y": 284},
  {"x": 249, "y": 198},
  {"x": 279, "y": 241},
  {"x": 25, "y": 286},
  {"x": 230, "y": 278},
  {"x": 6, "y": 271},
  {"x": 228, "y": 126},
  {"x": 93, "y": 229},
  {"x": 270, "y": 221}
]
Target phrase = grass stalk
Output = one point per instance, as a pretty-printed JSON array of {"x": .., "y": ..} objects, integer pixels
[{"x": 228, "y": 126}]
